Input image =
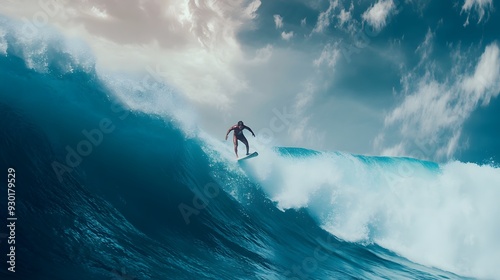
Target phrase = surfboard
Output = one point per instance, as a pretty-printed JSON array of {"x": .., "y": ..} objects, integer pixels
[{"x": 254, "y": 154}]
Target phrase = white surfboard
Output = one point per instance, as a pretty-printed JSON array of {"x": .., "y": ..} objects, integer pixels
[{"x": 254, "y": 154}]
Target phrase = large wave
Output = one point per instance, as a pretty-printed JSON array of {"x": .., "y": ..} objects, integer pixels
[
  {"x": 115, "y": 180},
  {"x": 438, "y": 215}
]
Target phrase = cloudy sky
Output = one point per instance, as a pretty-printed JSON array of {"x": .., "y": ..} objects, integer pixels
[{"x": 414, "y": 78}]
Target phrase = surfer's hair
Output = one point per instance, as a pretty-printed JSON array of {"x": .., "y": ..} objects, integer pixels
[{"x": 240, "y": 123}]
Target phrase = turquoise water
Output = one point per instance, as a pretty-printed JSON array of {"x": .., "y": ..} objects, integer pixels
[{"x": 107, "y": 192}]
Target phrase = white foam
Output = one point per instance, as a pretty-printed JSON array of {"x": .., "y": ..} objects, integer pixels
[
  {"x": 142, "y": 93},
  {"x": 3, "y": 42},
  {"x": 43, "y": 47},
  {"x": 446, "y": 217}
]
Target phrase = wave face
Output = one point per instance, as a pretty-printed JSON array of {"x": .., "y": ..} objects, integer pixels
[{"x": 107, "y": 189}]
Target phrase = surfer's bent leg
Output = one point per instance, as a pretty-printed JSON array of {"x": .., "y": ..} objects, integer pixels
[
  {"x": 245, "y": 141},
  {"x": 235, "y": 141}
]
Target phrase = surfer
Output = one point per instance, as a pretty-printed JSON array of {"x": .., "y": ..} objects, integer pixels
[{"x": 238, "y": 135}]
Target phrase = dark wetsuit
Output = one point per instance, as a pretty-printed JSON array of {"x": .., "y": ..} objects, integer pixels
[{"x": 238, "y": 135}]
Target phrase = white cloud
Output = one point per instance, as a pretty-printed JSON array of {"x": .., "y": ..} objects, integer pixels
[
  {"x": 287, "y": 35},
  {"x": 481, "y": 7},
  {"x": 278, "y": 21},
  {"x": 418, "y": 5},
  {"x": 346, "y": 21},
  {"x": 325, "y": 17},
  {"x": 263, "y": 54},
  {"x": 377, "y": 15},
  {"x": 194, "y": 43},
  {"x": 252, "y": 8},
  {"x": 485, "y": 82},
  {"x": 426, "y": 119},
  {"x": 425, "y": 49},
  {"x": 305, "y": 97},
  {"x": 302, "y": 131},
  {"x": 329, "y": 56},
  {"x": 394, "y": 151},
  {"x": 344, "y": 16},
  {"x": 431, "y": 117},
  {"x": 303, "y": 22},
  {"x": 99, "y": 12}
]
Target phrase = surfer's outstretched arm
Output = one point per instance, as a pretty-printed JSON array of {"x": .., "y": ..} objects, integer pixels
[
  {"x": 253, "y": 134},
  {"x": 229, "y": 130}
]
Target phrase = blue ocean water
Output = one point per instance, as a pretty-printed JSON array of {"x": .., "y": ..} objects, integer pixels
[{"x": 105, "y": 190}]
